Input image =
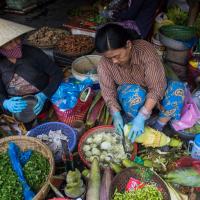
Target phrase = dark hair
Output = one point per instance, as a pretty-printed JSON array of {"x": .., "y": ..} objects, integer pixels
[{"x": 113, "y": 36}]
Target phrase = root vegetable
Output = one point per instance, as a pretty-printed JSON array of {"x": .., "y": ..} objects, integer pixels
[{"x": 93, "y": 192}]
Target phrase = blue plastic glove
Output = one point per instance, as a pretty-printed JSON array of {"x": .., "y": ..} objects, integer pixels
[
  {"x": 137, "y": 127},
  {"x": 41, "y": 97},
  {"x": 118, "y": 122},
  {"x": 15, "y": 104}
]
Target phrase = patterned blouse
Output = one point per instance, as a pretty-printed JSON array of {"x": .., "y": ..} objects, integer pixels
[{"x": 145, "y": 69}]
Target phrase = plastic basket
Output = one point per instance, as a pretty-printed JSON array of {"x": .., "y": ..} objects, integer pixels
[
  {"x": 82, "y": 65},
  {"x": 95, "y": 130},
  {"x": 178, "y": 32},
  {"x": 79, "y": 111},
  {"x": 65, "y": 129}
]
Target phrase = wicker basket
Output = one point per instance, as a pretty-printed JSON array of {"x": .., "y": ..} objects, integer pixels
[
  {"x": 82, "y": 65},
  {"x": 123, "y": 177},
  {"x": 25, "y": 143}
]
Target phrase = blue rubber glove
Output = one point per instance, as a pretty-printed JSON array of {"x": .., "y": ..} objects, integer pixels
[
  {"x": 137, "y": 127},
  {"x": 118, "y": 122},
  {"x": 41, "y": 97},
  {"x": 15, "y": 104}
]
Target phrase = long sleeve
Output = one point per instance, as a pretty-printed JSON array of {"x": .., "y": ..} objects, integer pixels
[
  {"x": 108, "y": 86},
  {"x": 154, "y": 75},
  {"x": 51, "y": 69}
]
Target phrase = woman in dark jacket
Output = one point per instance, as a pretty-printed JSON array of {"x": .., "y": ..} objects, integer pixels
[
  {"x": 140, "y": 13},
  {"x": 24, "y": 70}
]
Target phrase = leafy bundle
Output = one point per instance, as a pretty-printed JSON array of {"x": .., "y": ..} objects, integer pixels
[{"x": 35, "y": 170}]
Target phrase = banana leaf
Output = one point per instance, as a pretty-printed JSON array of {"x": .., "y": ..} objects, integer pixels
[
  {"x": 110, "y": 120},
  {"x": 95, "y": 113},
  {"x": 107, "y": 116},
  {"x": 96, "y": 99},
  {"x": 102, "y": 116}
]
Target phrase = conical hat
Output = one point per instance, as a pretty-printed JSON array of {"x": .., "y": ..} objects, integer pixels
[{"x": 10, "y": 30}]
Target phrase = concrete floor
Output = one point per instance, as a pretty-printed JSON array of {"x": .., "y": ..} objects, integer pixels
[{"x": 52, "y": 14}]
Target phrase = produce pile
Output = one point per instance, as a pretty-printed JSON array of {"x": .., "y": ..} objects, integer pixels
[
  {"x": 53, "y": 141},
  {"x": 46, "y": 36},
  {"x": 194, "y": 130},
  {"x": 88, "y": 16},
  {"x": 98, "y": 113},
  {"x": 149, "y": 192},
  {"x": 75, "y": 186},
  {"x": 36, "y": 171},
  {"x": 107, "y": 146},
  {"x": 76, "y": 45},
  {"x": 180, "y": 17}
]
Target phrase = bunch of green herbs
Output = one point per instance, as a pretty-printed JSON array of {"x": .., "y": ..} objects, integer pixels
[
  {"x": 10, "y": 187},
  {"x": 178, "y": 16},
  {"x": 149, "y": 192},
  {"x": 35, "y": 170}
]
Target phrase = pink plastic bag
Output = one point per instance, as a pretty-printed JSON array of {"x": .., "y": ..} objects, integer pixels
[{"x": 190, "y": 114}]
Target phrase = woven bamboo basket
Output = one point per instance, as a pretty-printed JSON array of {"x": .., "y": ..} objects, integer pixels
[
  {"x": 26, "y": 143},
  {"x": 120, "y": 181}
]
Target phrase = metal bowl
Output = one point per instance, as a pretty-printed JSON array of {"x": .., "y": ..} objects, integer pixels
[{"x": 27, "y": 115}]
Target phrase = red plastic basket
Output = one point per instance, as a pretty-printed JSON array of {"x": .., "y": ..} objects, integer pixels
[
  {"x": 105, "y": 128},
  {"x": 78, "y": 112}
]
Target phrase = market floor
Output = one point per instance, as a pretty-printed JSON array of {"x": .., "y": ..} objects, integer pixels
[{"x": 52, "y": 14}]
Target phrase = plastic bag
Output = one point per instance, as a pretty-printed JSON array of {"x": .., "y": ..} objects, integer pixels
[
  {"x": 14, "y": 153},
  {"x": 67, "y": 94},
  {"x": 196, "y": 97},
  {"x": 25, "y": 156},
  {"x": 190, "y": 114}
]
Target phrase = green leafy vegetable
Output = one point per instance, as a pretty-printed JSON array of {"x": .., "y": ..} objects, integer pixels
[
  {"x": 35, "y": 170},
  {"x": 10, "y": 188},
  {"x": 195, "y": 129},
  {"x": 178, "y": 16},
  {"x": 149, "y": 192},
  {"x": 185, "y": 177}
]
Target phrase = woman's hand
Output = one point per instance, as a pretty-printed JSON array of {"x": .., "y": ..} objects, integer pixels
[
  {"x": 137, "y": 127},
  {"x": 41, "y": 97},
  {"x": 15, "y": 104},
  {"x": 118, "y": 122}
]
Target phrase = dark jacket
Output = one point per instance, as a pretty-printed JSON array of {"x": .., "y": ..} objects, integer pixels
[
  {"x": 35, "y": 67},
  {"x": 142, "y": 12}
]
